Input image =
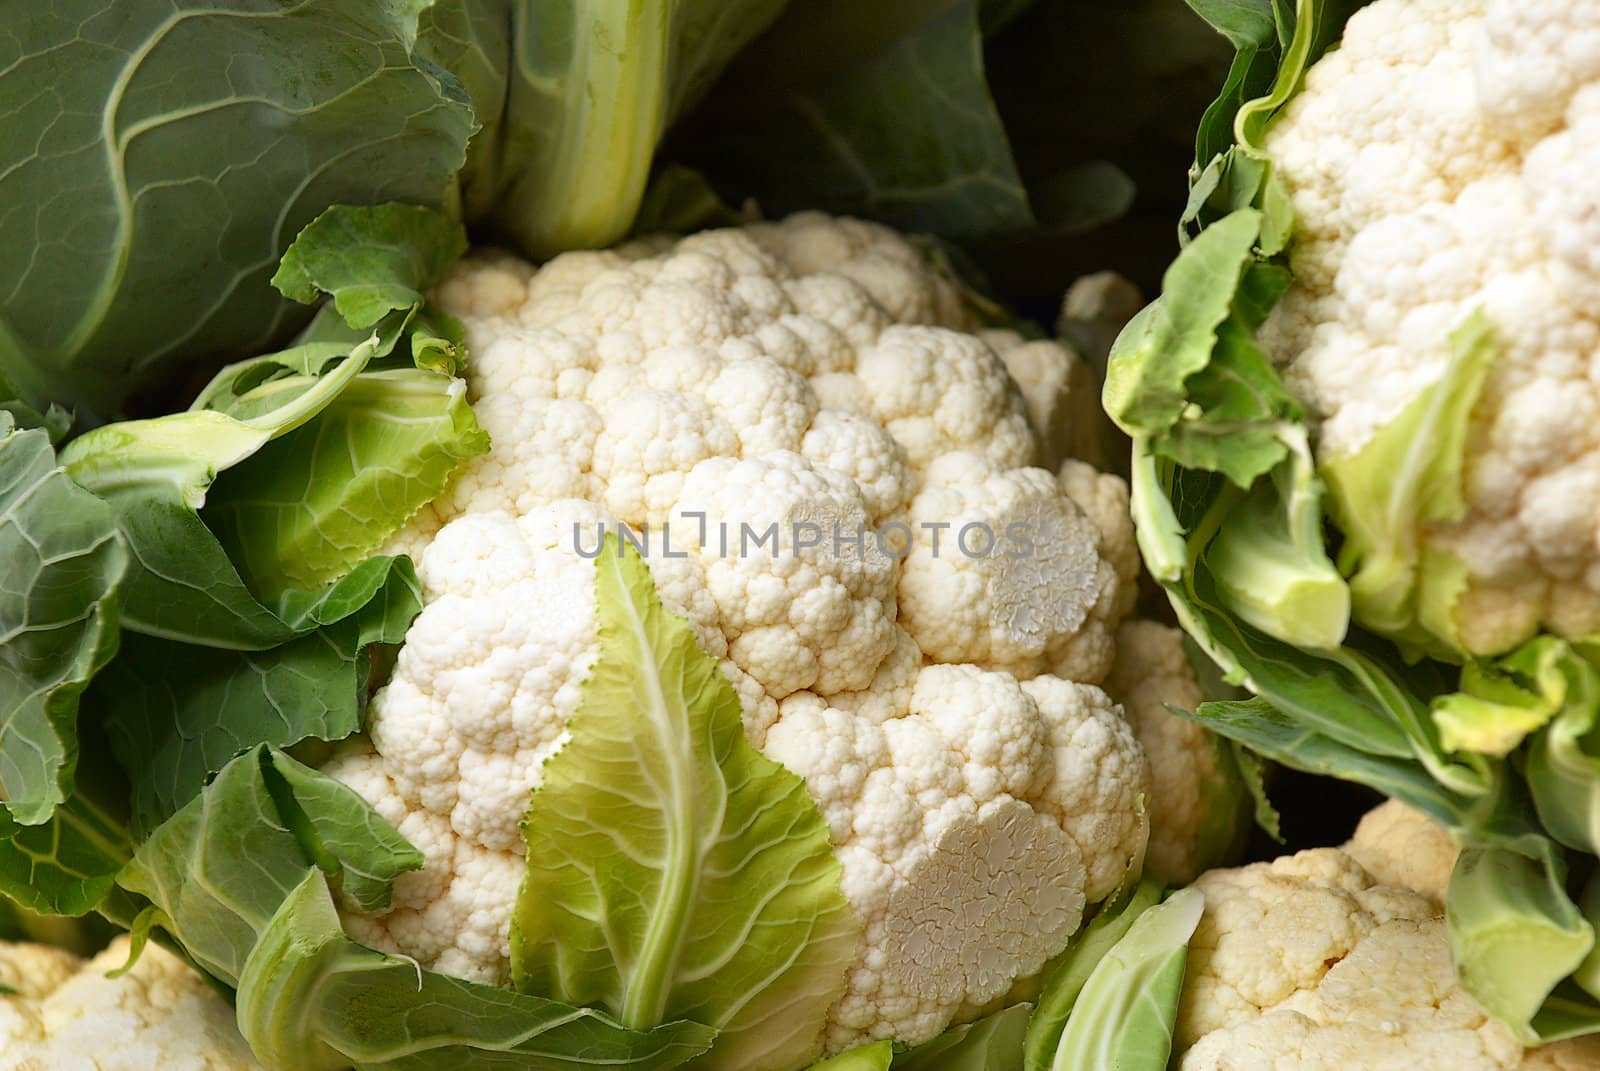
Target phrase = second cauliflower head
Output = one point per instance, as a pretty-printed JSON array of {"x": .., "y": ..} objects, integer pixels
[
  {"x": 1445, "y": 161},
  {"x": 834, "y": 480}
]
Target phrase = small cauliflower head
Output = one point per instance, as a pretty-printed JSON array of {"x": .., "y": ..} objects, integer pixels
[
  {"x": 1445, "y": 160},
  {"x": 772, "y": 414},
  {"x": 64, "y": 1014},
  {"x": 1311, "y": 963}
]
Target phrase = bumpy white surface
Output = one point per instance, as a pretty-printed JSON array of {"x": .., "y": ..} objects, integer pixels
[
  {"x": 814, "y": 370},
  {"x": 66, "y": 1015},
  {"x": 1446, "y": 159},
  {"x": 1151, "y": 671},
  {"x": 1311, "y": 963}
]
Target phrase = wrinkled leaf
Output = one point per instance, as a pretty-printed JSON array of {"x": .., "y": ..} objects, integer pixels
[
  {"x": 240, "y": 891},
  {"x": 179, "y": 712},
  {"x": 64, "y": 564},
  {"x": 371, "y": 261},
  {"x": 1173, "y": 338},
  {"x": 179, "y": 149},
  {"x": 674, "y": 872},
  {"x": 301, "y": 511},
  {"x": 880, "y": 111}
]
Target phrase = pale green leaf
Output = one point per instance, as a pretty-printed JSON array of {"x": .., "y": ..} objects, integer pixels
[
  {"x": 309, "y": 506},
  {"x": 1173, "y": 339},
  {"x": 1066, "y": 975},
  {"x": 1514, "y": 933},
  {"x": 1407, "y": 476},
  {"x": 993, "y": 1043},
  {"x": 239, "y": 889},
  {"x": 1123, "y": 1018},
  {"x": 63, "y": 566},
  {"x": 674, "y": 872}
]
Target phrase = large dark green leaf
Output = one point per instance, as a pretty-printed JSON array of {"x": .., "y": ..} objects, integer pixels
[
  {"x": 870, "y": 110},
  {"x": 161, "y": 154},
  {"x": 68, "y": 864},
  {"x": 179, "y": 712},
  {"x": 62, "y": 562}
]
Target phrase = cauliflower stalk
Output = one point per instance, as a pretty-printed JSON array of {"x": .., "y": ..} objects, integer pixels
[
  {"x": 1383, "y": 326},
  {"x": 833, "y": 480}
]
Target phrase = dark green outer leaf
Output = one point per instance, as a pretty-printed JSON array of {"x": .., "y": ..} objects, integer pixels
[
  {"x": 63, "y": 564},
  {"x": 1246, "y": 23},
  {"x": 66, "y": 865},
  {"x": 178, "y": 713},
  {"x": 906, "y": 134},
  {"x": 184, "y": 144}
]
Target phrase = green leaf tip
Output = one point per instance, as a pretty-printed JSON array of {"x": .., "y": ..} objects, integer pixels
[
  {"x": 1173, "y": 338},
  {"x": 1124, "y": 1016},
  {"x": 372, "y": 260},
  {"x": 1408, "y": 476}
]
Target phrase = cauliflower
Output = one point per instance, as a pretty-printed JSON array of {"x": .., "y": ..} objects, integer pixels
[
  {"x": 1313, "y": 963},
  {"x": 1445, "y": 159},
  {"x": 1151, "y": 671},
  {"x": 834, "y": 480},
  {"x": 64, "y": 1014}
]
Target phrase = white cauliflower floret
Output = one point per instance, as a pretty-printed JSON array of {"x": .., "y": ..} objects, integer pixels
[
  {"x": 1311, "y": 963},
  {"x": 1152, "y": 671},
  {"x": 1061, "y": 391},
  {"x": 771, "y": 413},
  {"x": 938, "y": 391},
  {"x": 1025, "y": 559},
  {"x": 67, "y": 1015},
  {"x": 1445, "y": 159},
  {"x": 804, "y": 609},
  {"x": 973, "y": 823}
]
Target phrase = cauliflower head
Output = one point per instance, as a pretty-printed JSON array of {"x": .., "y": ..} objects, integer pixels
[
  {"x": 1445, "y": 160},
  {"x": 1312, "y": 962},
  {"x": 64, "y": 1014},
  {"x": 835, "y": 480}
]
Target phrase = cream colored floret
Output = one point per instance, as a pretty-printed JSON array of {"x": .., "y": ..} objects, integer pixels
[
  {"x": 67, "y": 1015},
  {"x": 975, "y": 817},
  {"x": 1445, "y": 159},
  {"x": 1313, "y": 963},
  {"x": 1152, "y": 671}
]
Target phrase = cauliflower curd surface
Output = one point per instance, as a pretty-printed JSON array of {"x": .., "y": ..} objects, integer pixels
[
  {"x": 1445, "y": 160},
  {"x": 922, "y": 638}
]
